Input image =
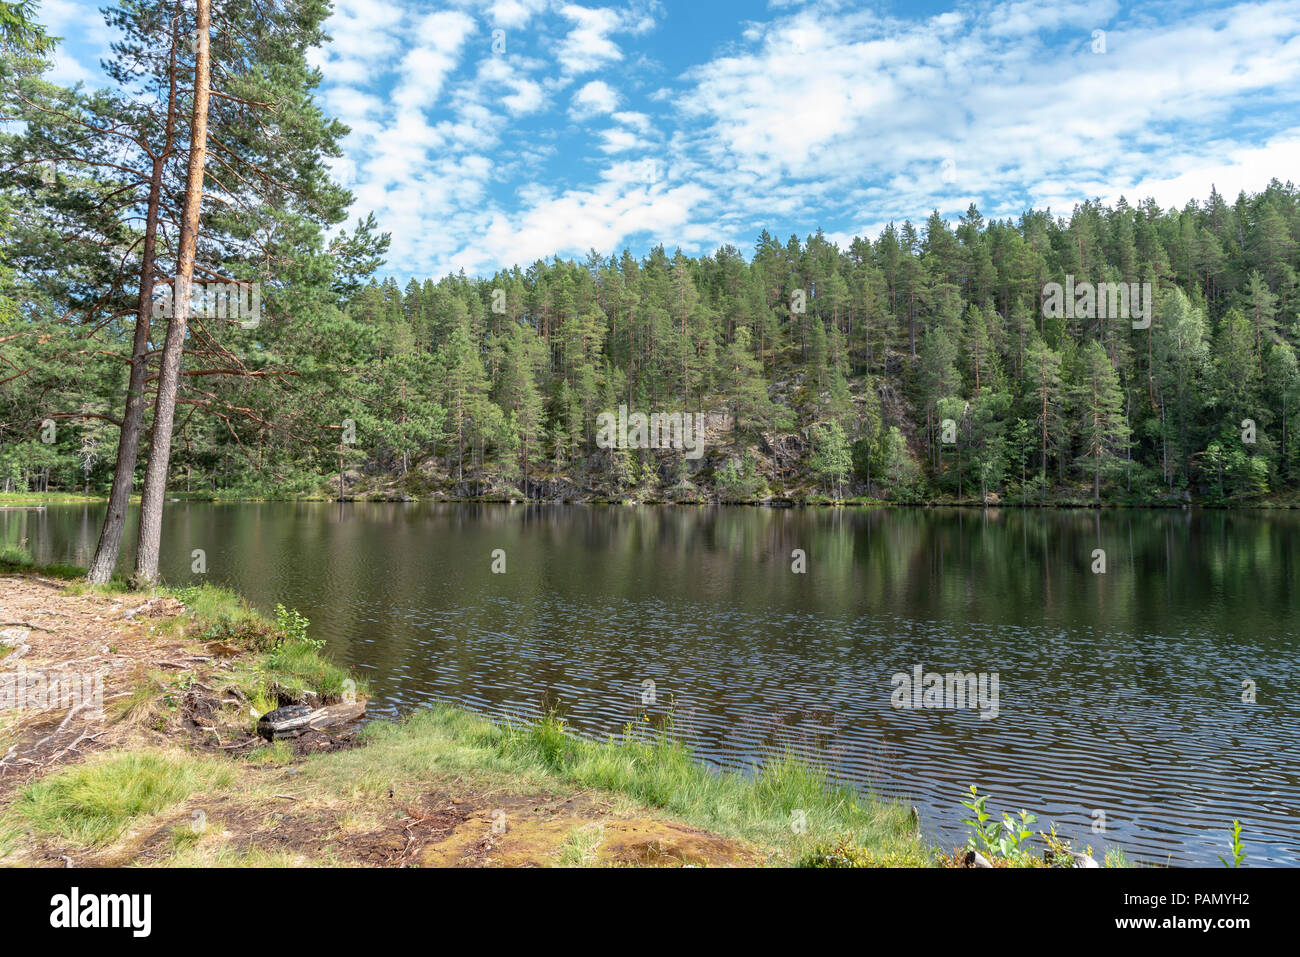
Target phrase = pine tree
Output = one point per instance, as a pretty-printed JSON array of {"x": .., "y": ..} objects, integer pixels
[{"x": 1099, "y": 404}]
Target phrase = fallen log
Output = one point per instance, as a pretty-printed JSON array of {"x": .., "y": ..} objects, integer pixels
[
  {"x": 335, "y": 715},
  {"x": 294, "y": 720},
  {"x": 287, "y": 722}
]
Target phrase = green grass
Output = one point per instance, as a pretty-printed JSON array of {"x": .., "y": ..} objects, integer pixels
[
  {"x": 295, "y": 668},
  {"x": 142, "y": 702},
  {"x": 579, "y": 848},
  {"x": 187, "y": 854},
  {"x": 275, "y": 754},
  {"x": 222, "y": 614},
  {"x": 786, "y": 805},
  {"x": 283, "y": 667},
  {"x": 844, "y": 852},
  {"x": 781, "y": 804},
  {"x": 184, "y": 836},
  {"x": 94, "y": 803},
  {"x": 16, "y": 558},
  {"x": 51, "y": 498}
]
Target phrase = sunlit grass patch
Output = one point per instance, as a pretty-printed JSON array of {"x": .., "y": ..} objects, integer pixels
[
  {"x": 844, "y": 852},
  {"x": 296, "y": 668},
  {"x": 92, "y": 804},
  {"x": 50, "y": 498},
  {"x": 199, "y": 855},
  {"x": 580, "y": 847},
  {"x": 786, "y": 804},
  {"x": 288, "y": 665},
  {"x": 220, "y": 614},
  {"x": 273, "y": 754}
]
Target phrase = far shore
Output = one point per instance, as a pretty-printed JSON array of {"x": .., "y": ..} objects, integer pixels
[{"x": 15, "y": 500}]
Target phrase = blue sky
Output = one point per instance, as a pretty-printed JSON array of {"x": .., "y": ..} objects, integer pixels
[{"x": 589, "y": 125}]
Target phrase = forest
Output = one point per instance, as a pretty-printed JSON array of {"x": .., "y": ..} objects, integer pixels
[{"x": 923, "y": 365}]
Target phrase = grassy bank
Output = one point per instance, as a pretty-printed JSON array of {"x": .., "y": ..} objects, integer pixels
[
  {"x": 51, "y": 498},
  {"x": 15, "y": 559}
]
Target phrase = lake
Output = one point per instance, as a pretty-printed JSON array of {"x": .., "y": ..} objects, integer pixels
[{"x": 1119, "y": 711}]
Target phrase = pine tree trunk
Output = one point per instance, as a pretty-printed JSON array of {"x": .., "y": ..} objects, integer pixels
[
  {"x": 128, "y": 447},
  {"x": 1043, "y": 371},
  {"x": 160, "y": 443}
]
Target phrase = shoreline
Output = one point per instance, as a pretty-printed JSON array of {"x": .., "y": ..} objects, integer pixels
[{"x": 14, "y": 501}]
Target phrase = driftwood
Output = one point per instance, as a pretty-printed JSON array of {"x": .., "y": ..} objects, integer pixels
[{"x": 297, "y": 719}]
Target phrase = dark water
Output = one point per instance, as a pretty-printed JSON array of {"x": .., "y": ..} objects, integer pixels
[{"x": 1118, "y": 692}]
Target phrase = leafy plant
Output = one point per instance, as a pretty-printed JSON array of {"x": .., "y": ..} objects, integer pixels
[
  {"x": 293, "y": 625},
  {"x": 1005, "y": 838},
  {"x": 985, "y": 827},
  {"x": 1238, "y": 849}
]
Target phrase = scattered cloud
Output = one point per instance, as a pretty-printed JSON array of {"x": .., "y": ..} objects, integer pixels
[
  {"x": 594, "y": 99},
  {"x": 494, "y": 132}
]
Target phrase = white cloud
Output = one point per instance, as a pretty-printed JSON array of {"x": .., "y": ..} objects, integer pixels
[
  {"x": 365, "y": 33},
  {"x": 594, "y": 99},
  {"x": 571, "y": 223},
  {"x": 638, "y": 121},
  {"x": 67, "y": 70},
  {"x": 588, "y": 45},
  {"x": 525, "y": 96},
  {"x": 622, "y": 141},
  {"x": 1030, "y": 16},
  {"x": 514, "y": 13},
  {"x": 426, "y": 66},
  {"x": 1227, "y": 167}
]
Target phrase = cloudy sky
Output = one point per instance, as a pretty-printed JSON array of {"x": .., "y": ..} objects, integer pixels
[{"x": 492, "y": 132}]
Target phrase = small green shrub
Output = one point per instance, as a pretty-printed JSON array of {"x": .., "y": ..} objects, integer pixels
[{"x": 1005, "y": 838}]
